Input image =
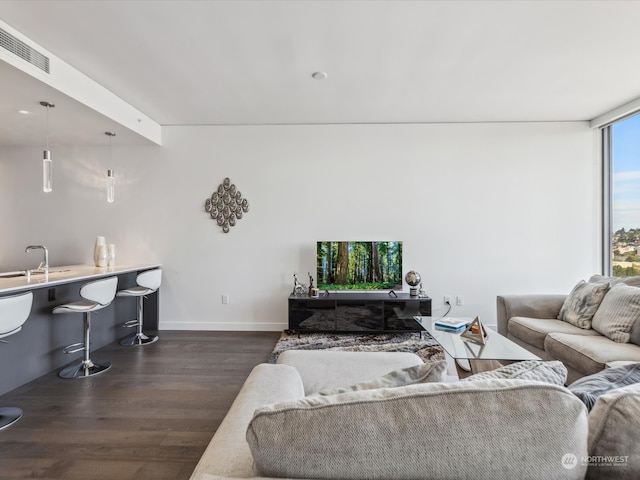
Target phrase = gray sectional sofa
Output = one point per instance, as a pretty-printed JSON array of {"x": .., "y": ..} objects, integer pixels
[
  {"x": 532, "y": 322},
  {"x": 527, "y": 429}
]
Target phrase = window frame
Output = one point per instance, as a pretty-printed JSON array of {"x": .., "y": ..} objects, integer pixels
[{"x": 607, "y": 178}]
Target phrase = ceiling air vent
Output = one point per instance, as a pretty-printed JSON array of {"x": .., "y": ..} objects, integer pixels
[{"x": 24, "y": 51}]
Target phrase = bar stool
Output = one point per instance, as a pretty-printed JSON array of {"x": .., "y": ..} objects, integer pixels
[
  {"x": 14, "y": 311},
  {"x": 148, "y": 282},
  {"x": 97, "y": 295}
]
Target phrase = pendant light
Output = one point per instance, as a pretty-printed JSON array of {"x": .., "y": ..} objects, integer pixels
[
  {"x": 47, "y": 166},
  {"x": 110, "y": 179}
]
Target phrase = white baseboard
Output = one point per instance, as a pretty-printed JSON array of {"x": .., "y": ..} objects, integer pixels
[{"x": 224, "y": 326}]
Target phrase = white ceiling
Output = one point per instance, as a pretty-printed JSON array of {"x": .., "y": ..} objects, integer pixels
[{"x": 250, "y": 62}]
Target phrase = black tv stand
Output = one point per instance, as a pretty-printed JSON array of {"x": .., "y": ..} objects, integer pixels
[{"x": 361, "y": 312}]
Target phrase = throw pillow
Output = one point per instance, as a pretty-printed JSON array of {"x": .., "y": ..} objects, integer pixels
[
  {"x": 581, "y": 304},
  {"x": 427, "y": 372},
  {"x": 614, "y": 423},
  {"x": 589, "y": 388},
  {"x": 618, "y": 312},
  {"x": 634, "y": 337},
  {"x": 549, "y": 372},
  {"x": 421, "y": 431}
]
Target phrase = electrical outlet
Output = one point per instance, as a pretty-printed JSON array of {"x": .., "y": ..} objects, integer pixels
[
  {"x": 52, "y": 294},
  {"x": 225, "y": 298},
  {"x": 459, "y": 300},
  {"x": 447, "y": 299}
]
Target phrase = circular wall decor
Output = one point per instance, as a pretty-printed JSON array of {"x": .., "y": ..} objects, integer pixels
[{"x": 226, "y": 205}]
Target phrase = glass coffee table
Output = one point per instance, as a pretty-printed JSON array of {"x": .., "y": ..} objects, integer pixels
[{"x": 481, "y": 358}]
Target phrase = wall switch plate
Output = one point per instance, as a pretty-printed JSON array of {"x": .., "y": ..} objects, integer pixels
[
  {"x": 459, "y": 300},
  {"x": 225, "y": 299}
]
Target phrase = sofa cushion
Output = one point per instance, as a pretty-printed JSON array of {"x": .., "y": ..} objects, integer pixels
[
  {"x": 427, "y": 372},
  {"x": 589, "y": 388},
  {"x": 423, "y": 431},
  {"x": 633, "y": 281},
  {"x": 534, "y": 330},
  {"x": 588, "y": 354},
  {"x": 323, "y": 369},
  {"x": 553, "y": 372},
  {"x": 617, "y": 313},
  {"x": 614, "y": 423},
  {"x": 581, "y": 304}
]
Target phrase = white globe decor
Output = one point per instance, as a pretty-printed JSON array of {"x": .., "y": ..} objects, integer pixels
[{"x": 413, "y": 279}]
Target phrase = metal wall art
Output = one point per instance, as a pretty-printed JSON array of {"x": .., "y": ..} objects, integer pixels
[{"x": 226, "y": 205}]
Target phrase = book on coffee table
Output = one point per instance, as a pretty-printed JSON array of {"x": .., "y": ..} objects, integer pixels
[{"x": 453, "y": 324}]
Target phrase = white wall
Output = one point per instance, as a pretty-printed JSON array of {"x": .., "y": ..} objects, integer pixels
[{"x": 482, "y": 209}]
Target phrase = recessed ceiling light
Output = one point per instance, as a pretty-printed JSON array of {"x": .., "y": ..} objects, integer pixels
[
  {"x": 319, "y": 75},
  {"x": 24, "y": 112}
]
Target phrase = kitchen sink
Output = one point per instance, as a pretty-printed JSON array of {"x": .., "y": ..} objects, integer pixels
[
  {"x": 39, "y": 272},
  {"x": 13, "y": 274},
  {"x": 23, "y": 273}
]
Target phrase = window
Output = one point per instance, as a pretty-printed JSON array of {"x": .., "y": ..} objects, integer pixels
[{"x": 622, "y": 193}]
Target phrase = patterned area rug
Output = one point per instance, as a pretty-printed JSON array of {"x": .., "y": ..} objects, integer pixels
[{"x": 426, "y": 348}]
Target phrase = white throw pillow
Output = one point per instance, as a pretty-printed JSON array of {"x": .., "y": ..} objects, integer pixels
[{"x": 618, "y": 312}]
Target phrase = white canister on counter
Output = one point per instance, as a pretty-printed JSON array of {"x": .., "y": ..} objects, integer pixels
[
  {"x": 100, "y": 241},
  {"x": 111, "y": 255}
]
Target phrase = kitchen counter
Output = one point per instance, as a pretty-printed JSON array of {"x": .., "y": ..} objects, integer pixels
[
  {"x": 66, "y": 274},
  {"x": 38, "y": 348}
]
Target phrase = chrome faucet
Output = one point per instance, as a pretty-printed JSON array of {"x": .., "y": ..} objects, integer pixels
[{"x": 44, "y": 266}]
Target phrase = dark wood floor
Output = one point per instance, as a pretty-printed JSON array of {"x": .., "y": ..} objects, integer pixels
[{"x": 149, "y": 417}]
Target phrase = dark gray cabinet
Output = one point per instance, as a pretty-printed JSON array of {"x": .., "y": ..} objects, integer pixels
[{"x": 347, "y": 312}]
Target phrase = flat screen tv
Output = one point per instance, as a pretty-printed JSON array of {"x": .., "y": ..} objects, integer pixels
[{"x": 359, "y": 265}]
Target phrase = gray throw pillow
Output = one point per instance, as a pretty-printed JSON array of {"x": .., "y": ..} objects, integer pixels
[
  {"x": 424, "y": 373},
  {"x": 581, "y": 304},
  {"x": 617, "y": 313},
  {"x": 422, "y": 431},
  {"x": 635, "y": 333},
  {"x": 553, "y": 372},
  {"x": 589, "y": 388},
  {"x": 614, "y": 423}
]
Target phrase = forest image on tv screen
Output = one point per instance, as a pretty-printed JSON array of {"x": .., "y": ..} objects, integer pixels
[{"x": 359, "y": 265}]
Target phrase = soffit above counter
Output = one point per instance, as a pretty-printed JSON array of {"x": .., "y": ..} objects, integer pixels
[{"x": 84, "y": 109}]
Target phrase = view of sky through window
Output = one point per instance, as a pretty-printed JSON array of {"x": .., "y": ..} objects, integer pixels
[
  {"x": 625, "y": 169},
  {"x": 625, "y": 197}
]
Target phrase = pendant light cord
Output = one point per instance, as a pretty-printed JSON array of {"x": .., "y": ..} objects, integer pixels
[
  {"x": 110, "y": 135},
  {"x": 47, "y": 105},
  {"x": 47, "y": 127}
]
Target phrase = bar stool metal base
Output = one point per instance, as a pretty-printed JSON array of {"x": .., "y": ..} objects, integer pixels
[
  {"x": 9, "y": 416},
  {"x": 84, "y": 369},
  {"x": 139, "y": 338}
]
